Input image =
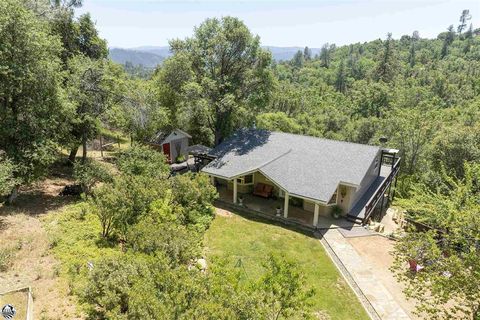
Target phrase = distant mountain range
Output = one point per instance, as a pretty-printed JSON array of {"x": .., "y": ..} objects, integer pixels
[{"x": 151, "y": 56}]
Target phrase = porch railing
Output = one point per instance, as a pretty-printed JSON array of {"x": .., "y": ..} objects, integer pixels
[{"x": 380, "y": 192}]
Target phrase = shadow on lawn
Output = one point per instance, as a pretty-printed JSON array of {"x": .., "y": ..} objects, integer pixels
[{"x": 43, "y": 196}]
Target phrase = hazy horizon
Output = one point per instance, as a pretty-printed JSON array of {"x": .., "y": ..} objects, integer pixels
[{"x": 137, "y": 23}]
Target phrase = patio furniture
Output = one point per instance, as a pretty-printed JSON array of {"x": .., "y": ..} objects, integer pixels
[{"x": 263, "y": 190}]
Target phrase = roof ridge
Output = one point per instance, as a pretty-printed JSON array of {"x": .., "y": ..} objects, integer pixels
[
  {"x": 319, "y": 138},
  {"x": 274, "y": 159}
]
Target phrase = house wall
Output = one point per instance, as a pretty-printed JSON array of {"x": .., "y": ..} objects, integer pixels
[
  {"x": 241, "y": 188},
  {"x": 310, "y": 207},
  {"x": 260, "y": 178},
  {"x": 178, "y": 147},
  {"x": 345, "y": 202},
  {"x": 370, "y": 176}
]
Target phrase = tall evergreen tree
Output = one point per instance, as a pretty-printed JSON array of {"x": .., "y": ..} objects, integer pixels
[
  {"x": 340, "y": 81},
  {"x": 387, "y": 66},
  {"x": 464, "y": 18},
  {"x": 447, "y": 41},
  {"x": 307, "y": 53}
]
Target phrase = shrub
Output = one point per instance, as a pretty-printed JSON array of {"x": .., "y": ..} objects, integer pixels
[
  {"x": 336, "y": 211},
  {"x": 7, "y": 178},
  {"x": 6, "y": 255},
  {"x": 193, "y": 195},
  {"x": 88, "y": 173},
  {"x": 121, "y": 203},
  {"x": 141, "y": 160},
  {"x": 180, "y": 158}
]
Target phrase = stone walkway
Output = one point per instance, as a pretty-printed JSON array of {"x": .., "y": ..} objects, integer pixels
[{"x": 371, "y": 289}]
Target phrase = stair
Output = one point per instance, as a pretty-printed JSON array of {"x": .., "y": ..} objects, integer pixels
[{"x": 354, "y": 219}]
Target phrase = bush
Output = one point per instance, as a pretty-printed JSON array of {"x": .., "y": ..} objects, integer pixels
[
  {"x": 89, "y": 173},
  {"x": 337, "y": 211},
  {"x": 6, "y": 255},
  {"x": 180, "y": 158},
  {"x": 7, "y": 178},
  {"x": 193, "y": 195},
  {"x": 141, "y": 160},
  {"x": 120, "y": 204}
]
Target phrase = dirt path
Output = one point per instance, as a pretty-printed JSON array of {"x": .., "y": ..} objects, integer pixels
[{"x": 32, "y": 264}]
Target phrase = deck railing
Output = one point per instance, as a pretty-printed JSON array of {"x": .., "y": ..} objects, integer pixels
[{"x": 380, "y": 192}]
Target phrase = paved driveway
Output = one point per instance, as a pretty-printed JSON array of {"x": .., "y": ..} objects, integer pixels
[{"x": 360, "y": 270}]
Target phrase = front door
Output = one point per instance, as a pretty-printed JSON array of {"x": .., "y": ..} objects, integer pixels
[{"x": 166, "y": 150}]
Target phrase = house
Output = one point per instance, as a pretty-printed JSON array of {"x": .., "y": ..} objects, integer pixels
[
  {"x": 304, "y": 172},
  {"x": 172, "y": 145}
]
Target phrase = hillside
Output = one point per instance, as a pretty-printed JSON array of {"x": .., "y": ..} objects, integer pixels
[
  {"x": 136, "y": 58},
  {"x": 150, "y": 56}
]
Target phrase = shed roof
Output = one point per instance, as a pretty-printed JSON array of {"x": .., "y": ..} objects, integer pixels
[
  {"x": 305, "y": 166},
  {"x": 162, "y": 137}
]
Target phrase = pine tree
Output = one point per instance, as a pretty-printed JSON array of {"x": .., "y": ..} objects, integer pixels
[
  {"x": 464, "y": 17},
  {"x": 340, "y": 81},
  {"x": 307, "y": 54},
  {"x": 450, "y": 36},
  {"x": 387, "y": 67}
]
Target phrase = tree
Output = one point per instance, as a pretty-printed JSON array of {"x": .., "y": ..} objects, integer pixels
[
  {"x": 447, "y": 286},
  {"x": 278, "y": 121},
  {"x": 90, "y": 89},
  {"x": 464, "y": 18},
  {"x": 298, "y": 59},
  {"x": 447, "y": 41},
  {"x": 454, "y": 146},
  {"x": 193, "y": 195},
  {"x": 413, "y": 48},
  {"x": 387, "y": 66},
  {"x": 411, "y": 130},
  {"x": 325, "y": 54},
  {"x": 307, "y": 54},
  {"x": 231, "y": 71},
  {"x": 282, "y": 291},
  {"x": 32, "y": 109},
  {"x": 89, "y": 173},
  {"x": 143, "y": 161},
  {"x": 162, "y": 231},
  {"x": 340, "y": 81},
  {"x": 7, "y": 179}
]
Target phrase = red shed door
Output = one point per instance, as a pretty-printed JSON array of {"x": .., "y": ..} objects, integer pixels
[{"x": 166, "y": 150}]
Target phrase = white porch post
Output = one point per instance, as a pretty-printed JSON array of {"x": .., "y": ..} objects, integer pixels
[
  {"x": 212, "y": 180},
  {"x": 285, "y": 206},
  {"x": 235, "y": 190},
  {"x": 315, "y": 215}
]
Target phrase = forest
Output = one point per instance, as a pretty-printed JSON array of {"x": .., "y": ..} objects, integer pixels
[{"x": 59, "y": 92}]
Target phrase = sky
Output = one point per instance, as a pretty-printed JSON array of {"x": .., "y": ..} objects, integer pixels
[{"x": 287, "y": 23}]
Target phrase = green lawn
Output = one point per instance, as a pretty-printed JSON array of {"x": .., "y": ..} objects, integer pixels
[{"x": 237, "y": 238}]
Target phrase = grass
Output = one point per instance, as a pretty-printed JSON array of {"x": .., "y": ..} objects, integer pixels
[
  {"x": 19, "y": 300},
  {"x": 74, "y": 237},
  {"x": 234, "y": 237}
]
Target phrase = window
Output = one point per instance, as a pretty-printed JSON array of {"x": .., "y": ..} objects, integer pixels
[{"x": 248, "y": 179}]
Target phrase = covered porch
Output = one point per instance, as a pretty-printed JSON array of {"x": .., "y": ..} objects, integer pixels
[{"x": 279, "y": 204}]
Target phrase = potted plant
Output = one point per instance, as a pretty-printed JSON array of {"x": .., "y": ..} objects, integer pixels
[
  {"x": 240, "y": 200},
  {"x": 278, "y": 210},
  {"x": 336, "y": 211}
]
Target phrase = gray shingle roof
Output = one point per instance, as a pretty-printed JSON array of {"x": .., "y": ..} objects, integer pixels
[{"x": 305, "y": 166}]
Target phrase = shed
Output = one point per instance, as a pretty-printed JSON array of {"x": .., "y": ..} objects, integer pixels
[{"x": 172, "y": 145}]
